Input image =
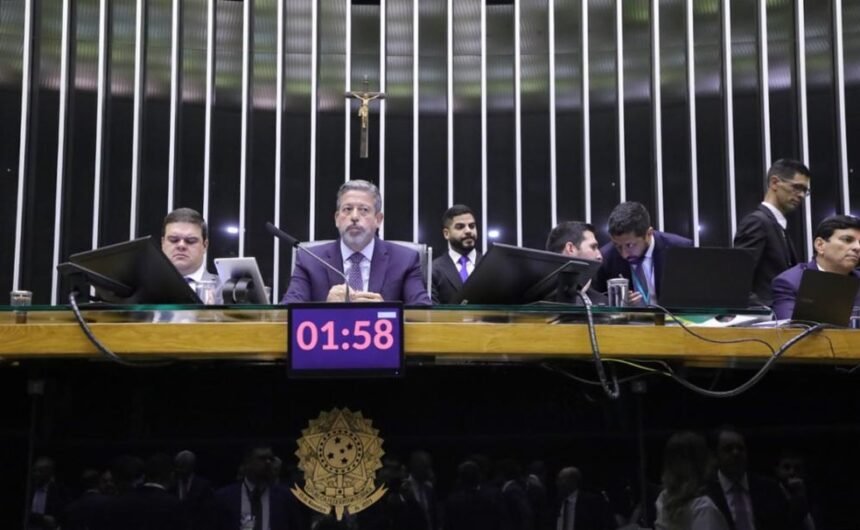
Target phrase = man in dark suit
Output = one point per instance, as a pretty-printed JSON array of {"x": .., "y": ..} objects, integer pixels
[
  {"x": 375, "y": 270},
  {"x": 636, "y": 252},
  {"x": 194, "y": 491},
  {"x": 577, "y": 240},
  {"x": 579, "y": 510},
  {"x": 837, "y": 250},
  {"x": 87, "y": 511},
  {"x": 184, "y": 241},
  {"x": 451, "y": 269},
  {"x": 256, "y": 502},
  {"x": 763, "y": 231},
  {"x": 749, "y": 501},
  {"x": 48, "y": 499}
]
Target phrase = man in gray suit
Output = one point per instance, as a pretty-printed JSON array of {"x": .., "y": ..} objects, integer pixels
[{"x": 184, "y": 241}]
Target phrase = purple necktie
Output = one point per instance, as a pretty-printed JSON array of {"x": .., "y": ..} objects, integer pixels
[
  {"x": 356, "y": 283},
  {"x": 742, "y": 514},
  {"x": 464, "y": 270}
]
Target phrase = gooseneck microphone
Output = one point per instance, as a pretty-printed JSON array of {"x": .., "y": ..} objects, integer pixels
[{"x": 293, "y": 242}]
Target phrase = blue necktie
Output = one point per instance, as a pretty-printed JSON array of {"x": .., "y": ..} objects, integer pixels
[
  {"x": 640, "y": 282},
  {"x": 356, "y": 283},
  {"x": 464, "y": 269}
]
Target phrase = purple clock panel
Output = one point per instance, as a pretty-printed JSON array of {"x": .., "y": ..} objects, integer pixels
[{"x": 344, "y": 337}]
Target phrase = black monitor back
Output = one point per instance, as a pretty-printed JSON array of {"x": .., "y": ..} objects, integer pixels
[
  {"x": 825, "y": 297},
  {"x": 141, "y": 265},
  {"x": 515, "y": 275},
  {"x": 718, "y": 278}
]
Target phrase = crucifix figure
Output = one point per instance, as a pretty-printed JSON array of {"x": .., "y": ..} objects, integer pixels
[{"x": 364, "y": 112}]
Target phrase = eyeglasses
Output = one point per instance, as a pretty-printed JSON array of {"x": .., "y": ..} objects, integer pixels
[
  {"x": 798, "y": 188},
  {"x": 190, "y": 240}
]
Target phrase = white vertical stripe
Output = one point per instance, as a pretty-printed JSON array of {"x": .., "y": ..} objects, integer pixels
[
  {"x": 804, "y": 114},
  {"x": 518, "y": 120},
  {"x": 61, "y": 144},
  {"x": 840, "y": 106},
  {"x": 279, "y": 130},
  {"x": 728, "y": 87},
  {"x": 175, "y": 47},
  {"x": 765, "y": 82},
  {"x": 247, "y": 13},
  {"x": 484, "y": 200},
  {"x": 449, "y": 23},
  {"x": 101, "y": 89},
  {"x": 619, "y": 61},
  {"x": 314, "y": 88},
  {"x": 415, "y": 113},
  {"x": 691, "y": 95},
  {"x": 586, "y": 114},
  {"x": 658, "y": 110},
  {"x": 553, "y": 164},
  {"x": 26, "y": 77},
  {"x": 347, "y": 108},
  {"x": 137, "y": 126},
  {"x": 382, "y": 87},
  {"x": 210, "y": 101}
]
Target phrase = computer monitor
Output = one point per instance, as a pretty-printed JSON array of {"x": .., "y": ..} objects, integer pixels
[
  {"x": 706, "y": 277},
  {"x": 825, "y": 297},
  {"x": 515, "y": 275},
  {"x": 140, "y": 266}
]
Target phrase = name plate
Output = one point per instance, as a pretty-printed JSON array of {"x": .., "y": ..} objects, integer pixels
[{"x": 345, "y": 340}]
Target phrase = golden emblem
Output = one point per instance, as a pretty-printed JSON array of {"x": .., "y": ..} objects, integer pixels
[{"x": 339, "y": 454}]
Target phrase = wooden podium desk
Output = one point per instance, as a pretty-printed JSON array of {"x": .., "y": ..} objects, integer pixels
[{"x": 445, "y": 335}]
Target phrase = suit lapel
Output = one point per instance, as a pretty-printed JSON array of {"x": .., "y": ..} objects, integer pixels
[
  {"x": 333, "y": 257},
  {"x": 658, "y": 261},
  {"x": 450, "y": 272},
  {"x": 378, "y": 266},
  {"x": 789, "y": 253}
]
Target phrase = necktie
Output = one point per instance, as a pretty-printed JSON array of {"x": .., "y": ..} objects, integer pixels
[
  {"x": 356, "y": 283},
  {"x": 743, "y": 521},
  {"x": 792, "y": 256},
  {"x": 640, "y": 282},
  {"x": 189, "y": 280},
  {"x": 564, "y": 516},
  {"x": 464, "y": 269},
  {"x": 256, "y": 500}
]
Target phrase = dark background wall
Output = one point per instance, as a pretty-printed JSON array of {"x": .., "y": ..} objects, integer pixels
[{"x": 600, "y": 112}]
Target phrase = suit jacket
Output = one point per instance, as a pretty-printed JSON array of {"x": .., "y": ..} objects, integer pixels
[
  {"x": 591, "y": 513},
  {"x": 771, "y": 509},
  {"x": 772, "y": 251},
  {"x": 785, "y": 288},
  {"x": 283, "y": 512},
  {"x": 55, "y": 504},
  {"x": 395, "y": 273},
  {"x": 143, "y": 508},
  {"x": 446, "y": 279},
  {"x": 615, "y": 265},
  {"x": 197, "y": 502}
]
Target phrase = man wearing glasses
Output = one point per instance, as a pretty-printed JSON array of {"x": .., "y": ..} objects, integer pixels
[
  {"x": 763, "y": 231},
  {"x": 184, "y": 241}
]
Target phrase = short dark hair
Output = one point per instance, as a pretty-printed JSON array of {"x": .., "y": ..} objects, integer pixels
[
  {"x": 786, "y": 168},
  {"x": 629, "y": 217},
  {"x": 454, "y": 211},
  {"x": 186, "y": 215},
  {"x": 836, "y": 222},
  {"x": 573, "y": 231},
  {"x": 361, "y": 185}
]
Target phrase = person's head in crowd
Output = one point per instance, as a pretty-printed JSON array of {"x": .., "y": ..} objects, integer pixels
[
  {"x": 359, "y": 213},
  {"x": 575, "y": 239},
  {"x": 567, "y": 481},
  {"x": 687, "y": 468},
  {"x": 460, "y": 229},
  {"x": 127, "y": 472},
  {"x": 159, "y": 469},
  {"x": 106, "y": 483},
  {"x": 787, "y": 184},
  {"x": 731, "y": 449},
  {"x": 630, "y": 230},
  {"x": 837, "y": 244},
  {"x": 469, "y": 476},
  {"x": 510, "y": 469},
  {"x": 90, "y": 480},
  {"x": 43, "y": 471},
  {"x": 184, "y": 464},
  {"x": 259, "y": 465},
  {"x": 791, "y": 466},
  {"x": 421, "y": 466},
  {"x": 184, "y": 240}
]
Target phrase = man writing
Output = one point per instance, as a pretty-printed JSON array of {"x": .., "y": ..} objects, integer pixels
[{"x": 375, "y": 270}]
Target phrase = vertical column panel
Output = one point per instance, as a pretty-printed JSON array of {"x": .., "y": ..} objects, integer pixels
[
  {"x": 619, "y": 68},
  {"x": 365, "y": 65},
  {"x": 275, "y": 281},
  {"x": 175, "y": 87},
  {"x": 137, "y": 110},
  {"x": 851, "y": 42},
  {"x": 657, "y": 119},
  {"x": 729, "y": 109},
  {"x": 536, "y": 202},
  {"x": 244, "y": 137},
  {"x": 449, "y": 96},
  {"x": 764, "y": 80},
  {"x": 211, "y": 34},
  {"x": 62, "y": 121},
  {"x": 691, "y": 105},
  {"x": 23, "y": 135},
  {"x": 841, "y": 134}
]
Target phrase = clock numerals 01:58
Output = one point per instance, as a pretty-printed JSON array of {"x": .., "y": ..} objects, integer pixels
[{"x": 363, "y": 335}]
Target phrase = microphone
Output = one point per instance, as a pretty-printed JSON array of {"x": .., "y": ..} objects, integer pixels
[{"x": 293, "y": 242}]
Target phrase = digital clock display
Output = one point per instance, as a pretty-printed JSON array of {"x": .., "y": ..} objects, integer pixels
[{"x": 348, "y": 339}]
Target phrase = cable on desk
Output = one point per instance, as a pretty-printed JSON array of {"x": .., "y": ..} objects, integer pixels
[
  {"x": 613, "y": 392},
  {"x": 111, "y": 356}
]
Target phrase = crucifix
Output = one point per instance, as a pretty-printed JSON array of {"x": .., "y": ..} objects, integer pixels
[{"x": 365, "y": 97}]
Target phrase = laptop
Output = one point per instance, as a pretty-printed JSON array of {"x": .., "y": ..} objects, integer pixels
[
  {"x": 718, "y": 278},
  {"x": 825, "y": 297}
]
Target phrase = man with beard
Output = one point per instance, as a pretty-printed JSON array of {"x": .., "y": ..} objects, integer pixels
[
  {"x": 636, "y": 252},
  {"x": 375, "y": 270},
  {"x": 451, "y": 270},
  {"x": 763, "y": 231}
]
